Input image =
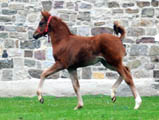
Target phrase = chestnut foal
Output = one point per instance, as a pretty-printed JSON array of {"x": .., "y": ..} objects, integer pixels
[{"x": 72, "y": 51}]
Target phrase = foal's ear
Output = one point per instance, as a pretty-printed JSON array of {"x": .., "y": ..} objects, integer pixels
[{"x": 45, "y": 14}]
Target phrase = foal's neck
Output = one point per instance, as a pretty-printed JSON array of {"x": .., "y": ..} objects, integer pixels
[{"x": 60, "y": 31}]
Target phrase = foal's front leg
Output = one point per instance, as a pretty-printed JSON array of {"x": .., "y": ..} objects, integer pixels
[
  {"x": 76, "y": 86},
  {"x": 53, "y": 69}
]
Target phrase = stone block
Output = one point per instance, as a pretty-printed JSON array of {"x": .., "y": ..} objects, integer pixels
[
  {"x": 85, "y": 6},
  {"x": 19, "y": 35},
  {"x": 100, "y": 30},
  {"x": 139, "y": 50},
  {"x": 65, "y": 74},
  {"x": 40, "y": 55},
  {"x": 47, "y": 5},
  {"x": 47, "y": 64},
  {"x": 84, "y": 16},
  {"x": 32, "y": 18},
  {"x": 146, "y": 40},
  {"x": 99, "y": 23},
  {"x": 118, "y": 11},
  {"x": 16, "y": 6},
  {"x": 154, "y": 59},
  {"x": 64, "y": 17},
  {"x": 35, "y": 73},
  {"x": 1, "y": 50},
  {"x": 143, "y": 4},
  {"x": 83, "y": 31},
  {"x": 128, "y": 40},
  {"x": 1, "y": 28},
  {"x": 4, "y": 5},
  {"x": 99, "y": 3},
  {"x": 49, "y": 54},
  {"x": 148, "y": 12},
  {"x": 9, "y": 43},
  {"x": 154, "y": 50},
  {"x": 30, "y": 35},
  {"x": 76, "y": 6},
  {"x": 70, "y": 5},
  {"x": 156, "y": 73},
  {"x": 113, "y": 4},
  {"x": 73, "y": 18},
  {"x": 125, "y": 5},
  {"x": 149, "y": 66},
  {"x": 20, "y": 18},
  {"x": 10, "y": 28},
  {"x": 143, "y": 22},
  {"x": 58, "y": 4},
  {"x": 98, "y": 75},
  {"x": 6, "y": 63},
  {"x": 3, "y": 35},
  {"x": 18, "y": 63},
  {"x": 8, "y": 12},
  {"x": 73, "y": 30},
  {"x": 20, "y": 74},
  {"x": 132, "y": 11},
  {"x": 86, "y": 73},
  {"x": 155, "y": 3},
  {"x": 7, "y": 75},
  {"x": 142, "y": 74},
  {"x": 134, "y": 64},
  {"x": 112, "y": 75},
  {"x": 30, "y": 44},
  {"x": 28, "y": 53},
  {"x": 5, "y": 19},
  {"x": 21, "y": 29},
  {"x": 38, "y": 65},
  {"x": 151, "y": 31},
  {"x": 29, "y": 63},
  {"x": 135, "y": 32}
]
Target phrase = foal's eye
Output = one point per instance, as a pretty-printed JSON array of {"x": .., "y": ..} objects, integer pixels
[{"x": 41, "y": 23}]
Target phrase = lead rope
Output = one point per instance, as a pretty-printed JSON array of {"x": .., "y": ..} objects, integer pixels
[{"x": 49, "y": 39}]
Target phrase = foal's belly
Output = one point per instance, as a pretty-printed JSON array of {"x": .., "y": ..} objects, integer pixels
[{"x": 96, "y": 60}]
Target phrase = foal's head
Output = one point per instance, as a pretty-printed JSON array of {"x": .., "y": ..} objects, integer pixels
[{"x": 43, "y": 27}]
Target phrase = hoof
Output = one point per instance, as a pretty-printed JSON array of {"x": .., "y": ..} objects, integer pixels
[
  {"x": 113, "y": 99},
  {"x": 138, "y": 104},
  {"x": 41, "y": 100},
  {"x": 78, "y": 107}
]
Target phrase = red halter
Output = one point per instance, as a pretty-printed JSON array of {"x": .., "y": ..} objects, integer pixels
[{"x": 47, "y": 26}]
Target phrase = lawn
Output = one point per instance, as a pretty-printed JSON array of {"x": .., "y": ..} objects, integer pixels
[{"x": 96, "y": 108}]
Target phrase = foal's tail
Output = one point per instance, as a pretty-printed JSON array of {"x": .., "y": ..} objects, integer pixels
[{"x": 119, "y": 29}]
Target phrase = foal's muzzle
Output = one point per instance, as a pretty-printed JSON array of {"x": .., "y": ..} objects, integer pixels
[{"x": 37, "y": 35}]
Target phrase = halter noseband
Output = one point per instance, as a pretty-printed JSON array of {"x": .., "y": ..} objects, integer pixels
[{"x": 47, "y": 26}]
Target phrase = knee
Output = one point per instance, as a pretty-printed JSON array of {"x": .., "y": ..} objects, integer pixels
[
  {"x": 129, "y": 82},
  {"x": 43, "y": 75}
]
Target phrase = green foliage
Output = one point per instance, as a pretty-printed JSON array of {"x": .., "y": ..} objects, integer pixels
[{"x": 96, "y": 108}]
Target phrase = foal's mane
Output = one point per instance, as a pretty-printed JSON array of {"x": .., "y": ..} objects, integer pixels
[{"x": 64, "y": 25}]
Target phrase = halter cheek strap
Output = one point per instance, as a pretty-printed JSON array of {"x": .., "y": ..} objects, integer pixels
[
  {"x": 47, "y": 26},
  {"x": 48, "y": 22}
]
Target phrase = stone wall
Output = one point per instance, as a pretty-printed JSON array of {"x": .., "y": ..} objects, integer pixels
[{"x": 27, "y": 57}]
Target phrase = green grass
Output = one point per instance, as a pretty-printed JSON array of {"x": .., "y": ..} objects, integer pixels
[{"x": 96, "y": 108}]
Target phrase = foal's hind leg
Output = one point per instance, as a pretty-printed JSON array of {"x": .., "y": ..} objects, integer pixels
[
  {"x": 55, "y": 68},
  {"x": 124, "y": 71},
  {"x": 116, "y": 84},
  {"x": 114, "y": 87},
  {"x": 76, "y": 86}
]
